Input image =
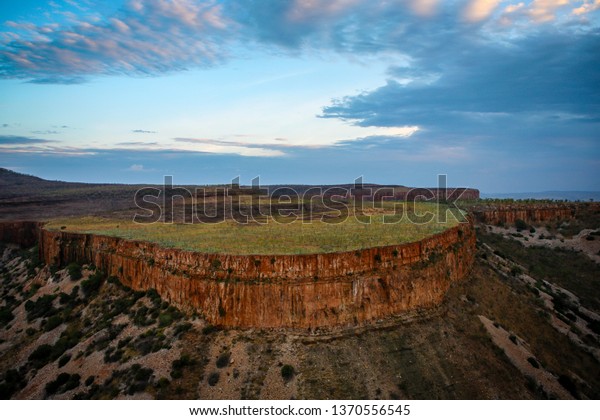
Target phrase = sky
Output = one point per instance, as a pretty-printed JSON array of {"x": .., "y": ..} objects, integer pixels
[{"x": 499, "y": 95}]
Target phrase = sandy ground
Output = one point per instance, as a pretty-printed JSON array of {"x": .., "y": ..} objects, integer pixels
[{"x": 540, "y": 237}]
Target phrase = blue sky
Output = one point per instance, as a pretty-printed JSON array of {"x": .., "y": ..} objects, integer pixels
[{"x": 499, "y": 95}]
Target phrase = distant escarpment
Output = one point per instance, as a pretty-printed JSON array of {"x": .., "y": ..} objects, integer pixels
[
  {"x": 298, "y": 291},
  {"x": 508, "y": 214}
]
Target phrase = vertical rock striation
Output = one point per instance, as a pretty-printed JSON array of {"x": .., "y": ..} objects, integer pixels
[{"x": 531, "y": 214}]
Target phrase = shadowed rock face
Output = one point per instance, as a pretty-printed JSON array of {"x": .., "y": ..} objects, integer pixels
[
  {"x": 529, "y": 214},
  {"x": 299, "y": 291},
  {"x": 21, "y": 233}
]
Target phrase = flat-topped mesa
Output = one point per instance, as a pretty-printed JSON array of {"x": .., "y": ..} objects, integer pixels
[
  {"x": 297, "y": 291},
  {"x": 508, "y": 214}
]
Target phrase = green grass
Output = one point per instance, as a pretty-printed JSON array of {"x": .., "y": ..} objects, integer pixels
[{"x": 275, "y": 237}]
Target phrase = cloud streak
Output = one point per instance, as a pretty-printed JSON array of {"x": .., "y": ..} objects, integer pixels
[
  {"x": 143, "y": 38},
  {"x": 21, "y": 140}
]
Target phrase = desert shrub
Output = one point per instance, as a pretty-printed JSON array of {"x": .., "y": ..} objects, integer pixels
[
  {"x": 516, "y": 271},
  {"x": 112, "y": 355},
  {"x": 122, "y": 343},
  {"x": 153, "y": 296},
  {"x": 520, "y": 225},
  {"x": 178, "y": 365},
  {"x": 90, "y": 380},
  {"x": 91, "y": 285},
  {"x": 165, "y": 319},
  {"x": 181, "y": 328},
  {"x": 141, "y": 319},
  {"x": 12, "y": 381},
  {"x": 64, "y": 382},
  {"x": 40, "y": 308},
  {"x": 64, "y": 360},
  {"x": 53, "y": 386},
  {"x": 533, "y": 362},
  {"x": 6, "y": 315},
  {"x": 513, "y": 339},
  {"x": 209, "y": 329},
  {"x": 223, "y": 360},
  {"x": 163, "y": 383},
  {"x": 594, "y": 326},
  {"x": 568, "y": 384},
  {"x": 287, "y": 372},
  {"x": 138, "y": 379},
  {"x": 41, "y": 355},
  {"x": 74, "y": 271},
  {"x": 213, "y": 378},
  {"x": 531, "y": 229},
  {"x": 53, "y": 322},
  {"x": 150, "y": 342}
]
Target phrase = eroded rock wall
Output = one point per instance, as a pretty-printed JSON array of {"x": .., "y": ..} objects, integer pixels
[
  {"x": 529, "y": 214},
  {"x": 300, "y": 291}
]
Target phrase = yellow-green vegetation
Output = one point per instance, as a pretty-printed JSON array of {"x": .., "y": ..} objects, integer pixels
[{"x": 274, "y": 236}]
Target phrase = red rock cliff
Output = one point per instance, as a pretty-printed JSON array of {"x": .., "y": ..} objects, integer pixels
[
  {"x": 530, "y": 214},
  {"x": 301, "y": 291}
]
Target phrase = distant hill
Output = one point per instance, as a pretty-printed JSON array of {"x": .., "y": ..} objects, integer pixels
[
  {"x": 12, "y": 178},
  {"x": 548, "y": 195}
]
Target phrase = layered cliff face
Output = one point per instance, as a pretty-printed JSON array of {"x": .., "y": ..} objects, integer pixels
[
  {"x": 299, "y": 291},
  {"x": 529, "y": 214}
]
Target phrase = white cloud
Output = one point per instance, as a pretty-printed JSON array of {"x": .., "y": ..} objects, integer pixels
[
  {"x": 545, "y": 10},
  {"x": 424, "y": 7},
  {"x": 587, "y": 7},
  {"x": 136, "y": 168},
  {"x": 478, "y": 10}
]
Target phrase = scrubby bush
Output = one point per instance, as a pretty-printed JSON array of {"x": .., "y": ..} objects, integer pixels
[
  {"x": 41, "y": 354},
  {"x": 181, "y": 328},
  {"x": 209, "y": 329},
  {"x": 53, "y": 322},
  {"x": 520, "y": 225},
  {"x": 12, "y": 381},
  {"x": 568, "y": 384},
  {"x": 64, "y": 360},
  {"x": 91, "y": 285},
  {"x": 40, "y": 308},
  {"x": 223, "y": 360},
  {"x": 533, "y": 362},
  {"x": 287, "y": 372},
  {"x": 6, "y": 316},
  {"x": 64, "y": 382},
  {"x": 213, "y": 378},
  {"x": 74, "y": 271}
]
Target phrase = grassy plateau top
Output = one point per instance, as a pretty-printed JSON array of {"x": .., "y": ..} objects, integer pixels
[{"x": 276, "y": 235}]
